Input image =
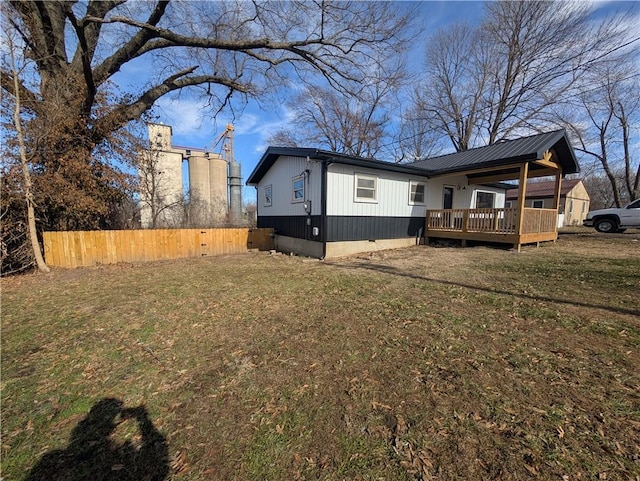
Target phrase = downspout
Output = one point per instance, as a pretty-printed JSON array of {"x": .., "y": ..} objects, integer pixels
[{"x": 323, "y": 208}]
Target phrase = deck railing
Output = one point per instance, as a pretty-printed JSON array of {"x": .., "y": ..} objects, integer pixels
[{"x": 497, "y": 221}]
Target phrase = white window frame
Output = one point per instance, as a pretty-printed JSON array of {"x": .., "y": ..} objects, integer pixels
[
  {"x": 540, "y": 206},
  {"x": 370, "y": 200},
  {"x": 295, "y": 199},
  {"x": 508, "y": 204},
  {"x": 268, "y": 198},
  {"x": 412, "y": 200}
]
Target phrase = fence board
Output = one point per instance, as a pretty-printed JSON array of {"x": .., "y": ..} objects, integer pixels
[{"x": 89, "y": 248}]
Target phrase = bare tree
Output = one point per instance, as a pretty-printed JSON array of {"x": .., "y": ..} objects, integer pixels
[
  {"x": 355, "y": 123},
  {"x": 500, "y": 79},
  {"x": 452, "y": 98},
  {"x": 73, "y": 106},
  {"x": 417, "y": 138},
  {"x": 157, "y": 196},
  {"x": 604, "y": 117},
  {"x": 24, "y": 164}
]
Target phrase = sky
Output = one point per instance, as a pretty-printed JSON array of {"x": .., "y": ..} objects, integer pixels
[{"x": 256, "y": 122}]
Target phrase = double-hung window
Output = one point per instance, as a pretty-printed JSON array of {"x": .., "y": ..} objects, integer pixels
[
  {"x": 297, "y": 184},
  {"x": 366, "y": 188},
  {"x": 416, "y": 192}
]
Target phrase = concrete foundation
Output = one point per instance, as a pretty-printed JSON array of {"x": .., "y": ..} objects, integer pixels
[
  {"x": 298, "y": 246},
  {"x": 338, "y": 249}
]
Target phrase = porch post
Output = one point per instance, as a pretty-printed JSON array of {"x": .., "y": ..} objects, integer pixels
[
  {"x": 556, "y": 194},
  {"x": 522, "y": 192}
]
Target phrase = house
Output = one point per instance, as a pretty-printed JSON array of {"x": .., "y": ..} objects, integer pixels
[
  {"x": 574, "y": 200},
  {"x": 326, "y": 204}
]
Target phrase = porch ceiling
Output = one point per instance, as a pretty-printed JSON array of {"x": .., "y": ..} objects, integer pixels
[{"x": 508, "y": 172}]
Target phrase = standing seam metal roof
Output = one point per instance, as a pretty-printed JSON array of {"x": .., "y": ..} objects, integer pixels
[
  {"x": 508, "y": 152},
  {"x": 525, "y": 148}
]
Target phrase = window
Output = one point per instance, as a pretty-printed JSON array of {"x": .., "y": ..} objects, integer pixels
[
  {"x": 485, "y": 200},
  {"x": 416, "y": 192},
  {"x": 570, "y": 207},
  {"x": 366, "y": 188},
  {"x": 584, "y": 207},
  {"x": 507, "y": 204},
  {"x": 538, "y": 204},
  {"x": 298, "y": 189},
  {"x": 267, "y": 195}
]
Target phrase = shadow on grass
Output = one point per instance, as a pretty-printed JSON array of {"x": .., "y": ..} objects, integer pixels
[
  {"x": 398, "y": 272},
  {"x": 93, "y": 454}
]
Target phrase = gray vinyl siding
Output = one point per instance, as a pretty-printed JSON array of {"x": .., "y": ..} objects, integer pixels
[
  {"x": 392, "y": 193},
  {"x": 280, "y": 177}
]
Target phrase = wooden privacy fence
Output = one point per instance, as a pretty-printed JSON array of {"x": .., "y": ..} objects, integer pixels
[{"x": 89, "y": 248}]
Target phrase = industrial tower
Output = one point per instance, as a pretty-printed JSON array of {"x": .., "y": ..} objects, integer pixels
[{"x": 214, "y": 181}]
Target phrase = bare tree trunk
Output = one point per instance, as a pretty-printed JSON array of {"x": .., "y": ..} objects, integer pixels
[
  {"x": 28, "y": 194},
  {"x": 632, "y": 184},
  {"x": 607, "y": 168}
]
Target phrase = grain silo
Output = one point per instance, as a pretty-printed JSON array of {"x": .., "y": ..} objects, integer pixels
[
  {"x": 160, "y": 178},
  {"x": 209, "y": 182}
]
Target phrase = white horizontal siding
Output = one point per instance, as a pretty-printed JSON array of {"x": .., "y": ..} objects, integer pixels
[
  {"x": 392, "y": 193},
  {"x": 280, "y": 177}
]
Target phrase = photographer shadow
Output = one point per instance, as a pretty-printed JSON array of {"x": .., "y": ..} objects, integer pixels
[{"x": 93, "y": 453}]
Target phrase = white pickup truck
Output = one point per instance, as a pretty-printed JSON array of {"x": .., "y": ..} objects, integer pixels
[{"x": 616, "y": 219}]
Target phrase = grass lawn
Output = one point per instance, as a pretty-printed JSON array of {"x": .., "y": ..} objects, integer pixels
[{"x": 419, "y": 363}]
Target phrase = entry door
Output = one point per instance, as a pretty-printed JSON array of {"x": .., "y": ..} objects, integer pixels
[{"x": 447, "y": 198}]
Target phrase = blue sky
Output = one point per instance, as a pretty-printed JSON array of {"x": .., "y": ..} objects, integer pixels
[{"x": 255, "y": 123}]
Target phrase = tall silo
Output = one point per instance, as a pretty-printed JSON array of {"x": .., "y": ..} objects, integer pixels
[
  {"x": 235, "y": 192},
  {"x": 199, "y": 186},
  {"x": 160, "y": 179},
  {"x": 218, "y": 187}
]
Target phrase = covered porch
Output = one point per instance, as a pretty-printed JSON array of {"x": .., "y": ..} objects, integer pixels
[{"x": 516, "y": 225}]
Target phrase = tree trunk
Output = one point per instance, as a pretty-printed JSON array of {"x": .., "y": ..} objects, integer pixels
[
  {"x": 31, "y": 216},
  {"x": 607, "y": 169}
]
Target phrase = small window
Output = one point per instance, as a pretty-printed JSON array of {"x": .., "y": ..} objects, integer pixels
[
  {"x": 485, "y": 200},
  {"x": 538, "y": 204},
  {"x": 634, "y": 205},
  {"x": 366, "y": 188},
  {"x": 267, "y": 195},
  {"x": 507, "y": 204},
  {"x": 584, "y": 207},
  {"x": 416, "y": 192},
  {"x": 298, "y": 189},
  {"x": 570, "y": 207}
]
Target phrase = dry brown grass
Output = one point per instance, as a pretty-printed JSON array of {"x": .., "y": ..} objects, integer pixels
[{"x": 427, "y": 363}]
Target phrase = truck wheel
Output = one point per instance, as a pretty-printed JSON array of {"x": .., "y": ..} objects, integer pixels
[{"x": 606, "y": 225}]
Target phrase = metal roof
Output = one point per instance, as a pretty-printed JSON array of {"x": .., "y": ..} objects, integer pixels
[
  {"x": 272, "y": 154},
  {"x": 504, "y": 153},
  {"x": 510, "y": 151}
]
